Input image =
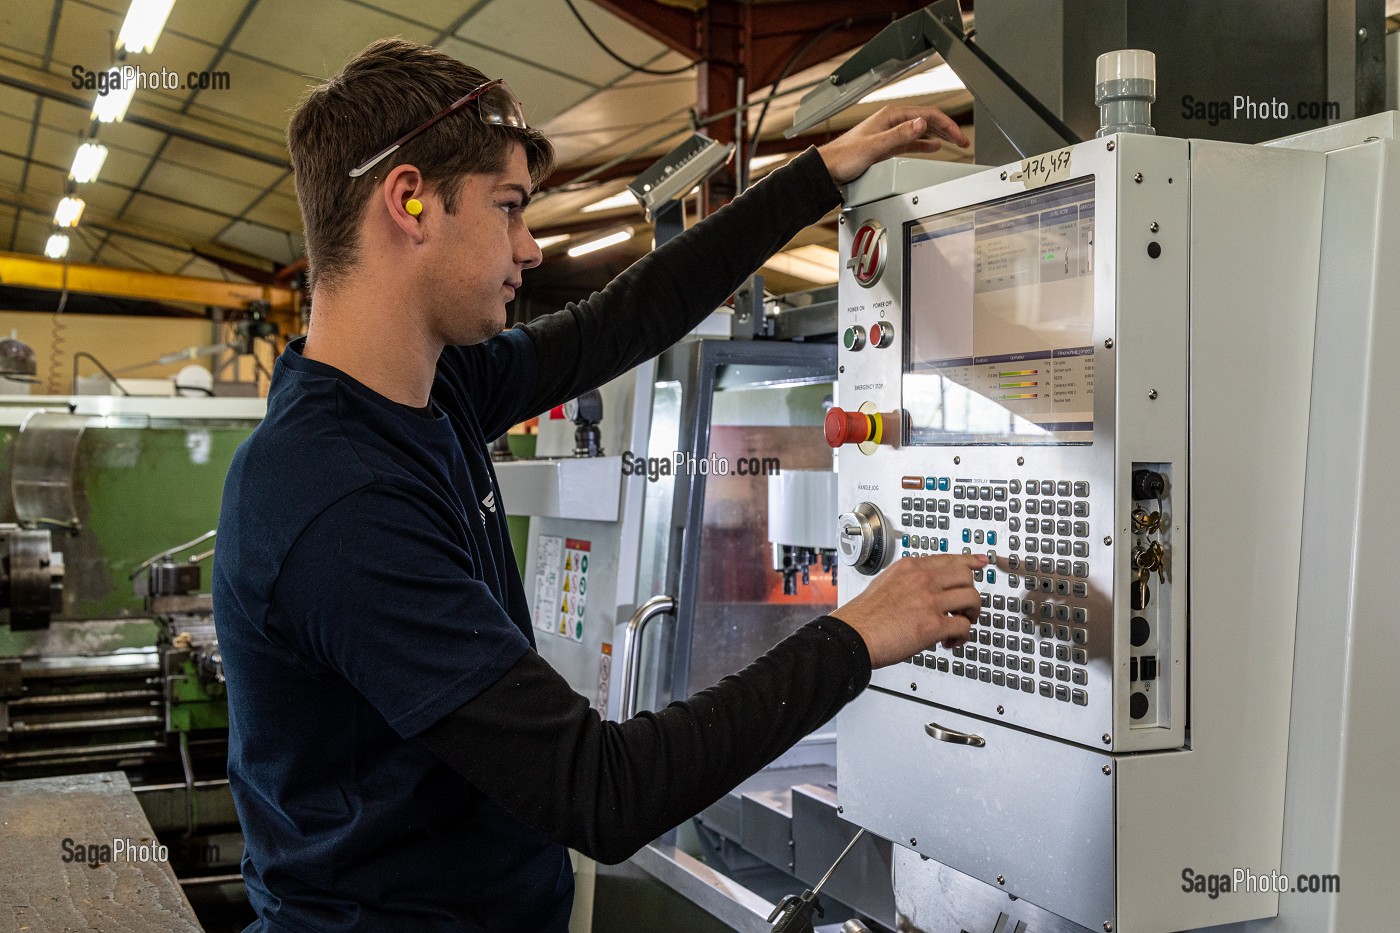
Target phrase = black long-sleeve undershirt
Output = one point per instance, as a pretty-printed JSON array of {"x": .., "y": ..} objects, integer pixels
[
  {"x": 665, "y": 294},
  {"x": 605, "y": 788}
]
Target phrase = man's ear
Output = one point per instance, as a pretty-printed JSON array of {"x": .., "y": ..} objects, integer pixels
[{"x": 404, "y": 199}]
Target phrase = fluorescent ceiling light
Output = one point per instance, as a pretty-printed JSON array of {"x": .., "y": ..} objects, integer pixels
[
  {"x": 69, "y": 211},
  {"x": 545, "y": 242},
  {"x": 767, "y": 160},
  {"x": 612, "y": 239},
  {"x": 623, "y": 198},
  {"x": 816, "y": 264},
  {"x": 57, "y": 246},
  {"x": 934, "y": 81},
  {"x": 143, "y": 24},
  {"x": 88, "y": 162},
  {"x": 111, "y": 107}
]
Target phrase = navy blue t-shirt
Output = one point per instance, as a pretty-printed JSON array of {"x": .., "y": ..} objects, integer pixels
[
  {"x": 383, "y": 507},
  {"x": 365, "y": 591}
]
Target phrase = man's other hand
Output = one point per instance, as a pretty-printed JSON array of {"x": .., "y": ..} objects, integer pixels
[
  {"x": 889, "y": 132},
  {"x": 914, "y": 605}
]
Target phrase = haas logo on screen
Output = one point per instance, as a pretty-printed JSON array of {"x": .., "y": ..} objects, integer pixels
[{"x": 867, "y": 260}]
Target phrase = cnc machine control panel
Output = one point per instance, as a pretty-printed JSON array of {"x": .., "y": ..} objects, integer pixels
[{"x": 981, "y": 410}]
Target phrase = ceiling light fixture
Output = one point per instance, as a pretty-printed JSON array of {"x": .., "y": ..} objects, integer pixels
[
  {"x": 764, "y": 161},
  {"x": 938, "y": 80},
  {"x": 57, "y": 246},
  {"x": 70, "y": 210},
  {"x": 143, "y": 24},
  {"x": 816, "y": 264},
  {"x": 545, "y": 242},
  {"x": 111, "y": 107},
  {"x": 88, "y": 162},
  {"x": 623, "y": 198},
  {"x": 612, "y": 239}
]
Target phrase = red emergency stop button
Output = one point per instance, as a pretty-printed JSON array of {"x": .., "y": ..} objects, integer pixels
[
  {"x": 881, "y": 334},
  {"x": 851, "y": 427}
]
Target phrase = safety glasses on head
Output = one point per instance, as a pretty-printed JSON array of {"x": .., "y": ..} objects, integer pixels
[{"x": 496, "y": 106}]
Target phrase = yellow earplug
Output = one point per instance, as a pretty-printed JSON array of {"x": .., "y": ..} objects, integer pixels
[{"x": 414, "y": 206}]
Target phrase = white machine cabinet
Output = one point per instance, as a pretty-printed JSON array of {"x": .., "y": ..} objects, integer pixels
[{"x": 1096, "y": 367}]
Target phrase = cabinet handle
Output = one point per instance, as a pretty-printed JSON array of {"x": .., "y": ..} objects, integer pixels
[{"x": 952, "y": 735}]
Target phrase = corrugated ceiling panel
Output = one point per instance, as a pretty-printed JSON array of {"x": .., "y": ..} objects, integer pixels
[
  {"x": 278, "y": 211},
  {"x": 541, "y": 93},
  {"x": 172, "y": 219},
  {"x": 15, "y": 102},
  {"x": 439, "y": 15},
  {"x": 178, "y": 56},
  {"x": 193, "y": 187},
  {"x": 625, "y": 106},
  {"x": 221, "y": 164},
  {"x": 84, "y": 38},
  {"x": 206, "y": 20},
  {"x": 262, "y": 241},
  {"x": 262, "y": 95},
  {"x": 549, "y": 35},
  {"x": 134, "y": 139},
  {"x": 24, "y": 27},
  {"x": 278, "y": 32}
]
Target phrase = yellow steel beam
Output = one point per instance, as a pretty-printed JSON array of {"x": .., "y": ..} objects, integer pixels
[{"x": 24, "y": 271}]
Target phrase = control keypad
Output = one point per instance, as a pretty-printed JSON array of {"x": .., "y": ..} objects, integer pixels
[{"x": 1037, "y": 645}]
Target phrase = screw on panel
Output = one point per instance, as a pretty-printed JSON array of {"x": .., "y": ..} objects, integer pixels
[
  {"x": 1107, "y": 541},
  {"x": 1107, "y": 739},
  {"x": 1112, "y": 145},
  {"x": 914, "y": 687},
  {"x": 1152, "y": 394},
  {"x": 1107, "y": 927},
  {"x": 916, "y": 199},
  {"x": 1137, "y": 177},
  {"x": 1003, "y": 176},
  {"x": 957, "y": 460},
  {"x": 841, "y": 219},
  {"x": 1020, "y": 461},
  {"x": 1153, "y": 227},
  {"x": 1107, "y": 769},
  {"x": 842, "y": 369},
  {"x": 1108, "y": 344},
  {"x": 1001, "y": 710},
  {"x": 840, "y": 809},
  {"x": 913, "y": 841},
  {"x": 1361, "y": 33},
  {"x": 1001, "y": 879}
]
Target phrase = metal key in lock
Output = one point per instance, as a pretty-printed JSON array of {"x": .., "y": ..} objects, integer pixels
[
  {"x": 1140, "y": 592},
  {"x": 1151, "y": 558},
  {"x": 1145, "y": 561},
  {"x": 1145, "y": 522}
]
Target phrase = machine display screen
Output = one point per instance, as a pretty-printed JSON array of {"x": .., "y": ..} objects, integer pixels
[{"x": 999, "y": 313}]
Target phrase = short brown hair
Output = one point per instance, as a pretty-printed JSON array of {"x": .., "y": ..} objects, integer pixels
[{"x": 381, "y": 94}]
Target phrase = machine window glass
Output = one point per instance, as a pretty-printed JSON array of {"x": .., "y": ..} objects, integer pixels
[{"x": 999, "y": 309}]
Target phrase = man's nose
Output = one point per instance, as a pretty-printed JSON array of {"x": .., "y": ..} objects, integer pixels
[{"x": 527, "y": 251}]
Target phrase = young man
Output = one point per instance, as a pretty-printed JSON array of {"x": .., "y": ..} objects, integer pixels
[{"x": 400, "y": 756}]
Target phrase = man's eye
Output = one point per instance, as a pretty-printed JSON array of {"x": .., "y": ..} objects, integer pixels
[{"x": 510, "y": 207}]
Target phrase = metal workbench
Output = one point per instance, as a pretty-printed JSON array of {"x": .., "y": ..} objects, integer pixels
[{"x": 42, "y": 893}]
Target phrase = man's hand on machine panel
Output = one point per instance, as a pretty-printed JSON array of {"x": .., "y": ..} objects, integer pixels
[
  {"x": 915, "y": 604},
  {"x": 890, "y": 131}
]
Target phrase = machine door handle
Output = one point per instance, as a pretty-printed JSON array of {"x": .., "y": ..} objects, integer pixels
[
  {"x": 631, "y": 657},
  {"x": 952, "y": 735}
]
